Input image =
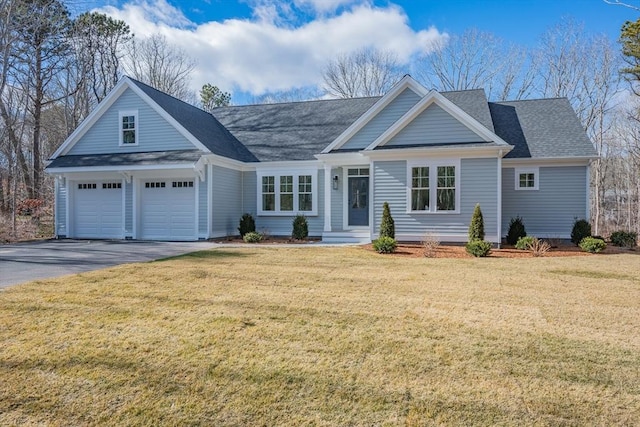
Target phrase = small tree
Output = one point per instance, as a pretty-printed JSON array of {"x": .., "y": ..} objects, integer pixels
[
  {"x": 387, "y": 225},
  {"x": 476, "y": 228},
  {"x": 300, "y": 228},
  {"x": 247, "y": 224},
  {"x": 516, "y": 230}
]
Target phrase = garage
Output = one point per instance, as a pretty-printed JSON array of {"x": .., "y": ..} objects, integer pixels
[
  {"x": 167, "y": 209},
  {"x": 97, "y": 210}
]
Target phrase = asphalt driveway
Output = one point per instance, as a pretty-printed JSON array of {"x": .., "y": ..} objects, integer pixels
[{"x": 23, "y": 262}]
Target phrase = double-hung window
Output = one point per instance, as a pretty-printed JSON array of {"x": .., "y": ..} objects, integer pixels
[
  {"x": 287, "y": 193},
  {"x": 433, "y": 186},
  {"x": 129, "y": 132},
  {"x": 527, "y": 178}
]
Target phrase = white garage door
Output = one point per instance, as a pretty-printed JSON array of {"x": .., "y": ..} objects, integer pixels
[
  {"x": 167, "y": 210},
  {"x": 97, "y": 210}
]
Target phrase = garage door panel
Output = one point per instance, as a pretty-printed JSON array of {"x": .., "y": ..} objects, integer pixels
[
  {"x": 167, "y": 212},
  {"x": 97, "y": 211}
]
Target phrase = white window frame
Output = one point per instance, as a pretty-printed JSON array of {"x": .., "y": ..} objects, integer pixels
[
  {"x": 433, "y": 165},
  {"x": 536, "y": 178},
  {"x": 136, "y": 129},
  {"x": 277, "y": 174}
]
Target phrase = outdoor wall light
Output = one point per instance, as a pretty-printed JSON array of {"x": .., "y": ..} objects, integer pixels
[{"x": 335, "y": 182}]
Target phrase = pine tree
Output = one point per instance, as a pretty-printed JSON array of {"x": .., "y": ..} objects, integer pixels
[
  {"x": 476, "y": 228},
  {"x": 387, "y": 226}
]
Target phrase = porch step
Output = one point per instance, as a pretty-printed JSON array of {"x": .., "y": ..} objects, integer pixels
[{"x": 346, "y": 237}]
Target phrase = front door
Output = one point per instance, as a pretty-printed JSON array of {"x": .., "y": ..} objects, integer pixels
[{"x": 358, "y": 201}]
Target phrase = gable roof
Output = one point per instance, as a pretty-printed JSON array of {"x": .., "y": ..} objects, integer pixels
[
  {"x": 541, "y": 128},
  {"x": 202, "y": 125},
  {"x": 188, "y": 157},
  {"x": 294, "y": 130}
]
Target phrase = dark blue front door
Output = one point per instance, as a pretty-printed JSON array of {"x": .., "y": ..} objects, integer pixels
[{"x": 359, "y": 201}]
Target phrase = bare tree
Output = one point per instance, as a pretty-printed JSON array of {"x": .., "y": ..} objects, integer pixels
[
  {"x": 292, "y": 95},
  {"x": 478, "y": 59},
  {"x": 366, "y": 72},
  {"x": 161, "y": 65}
]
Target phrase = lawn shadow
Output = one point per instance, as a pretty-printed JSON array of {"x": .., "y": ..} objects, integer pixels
[{"x": 206, "y": 254}]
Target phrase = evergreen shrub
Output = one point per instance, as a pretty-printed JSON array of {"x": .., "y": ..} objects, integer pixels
[
  {"x": 387, "y": 225},
  {"x": 247, "y": 224},
  {"x": 581, "y": 229},
  {"x": 300, "y": 228},
  {"x": 593, "y": 245},
  {"x": 476, "y": 227},
  {"x": 516, "y": 230},
  {"x": 385, "y": 245}
]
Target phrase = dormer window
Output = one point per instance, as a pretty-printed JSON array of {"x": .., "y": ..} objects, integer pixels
[{"x": 128, "y": 127}]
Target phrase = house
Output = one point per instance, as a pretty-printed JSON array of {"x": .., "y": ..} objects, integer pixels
[{"x": 145, "y": 165}]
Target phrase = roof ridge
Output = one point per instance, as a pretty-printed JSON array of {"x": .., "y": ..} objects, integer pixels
[
  {"x": 309, "y": 101},
  {"x": 553, "y": 98}
]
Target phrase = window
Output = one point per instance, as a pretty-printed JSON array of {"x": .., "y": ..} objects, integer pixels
[
  {"x": 420, "y": 189},
  {"x": 446, "y": 192},
  {"x": 305, "y": 193},
  {"x": 268, "y": 193},
  {"x": 128, "y": 127},
  {"x": 111, "y": 185},
  {"x": 87, "y": 186},
  {"x": 526, "y": 178},
  {"x": 433, "y": 186},
  {"x": 182, "y": 184},
  {"x": 286, "y": 194},
  {"x": 154, "y": 185}
]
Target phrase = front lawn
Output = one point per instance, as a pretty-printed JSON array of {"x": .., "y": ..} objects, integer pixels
[{"x": 326, "y": 336}]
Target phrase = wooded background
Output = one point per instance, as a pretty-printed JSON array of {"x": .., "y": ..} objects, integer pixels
[{"x": 55, "y": 68}]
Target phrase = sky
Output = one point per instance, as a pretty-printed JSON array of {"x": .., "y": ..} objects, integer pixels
[{"x": 250, "y": 47}]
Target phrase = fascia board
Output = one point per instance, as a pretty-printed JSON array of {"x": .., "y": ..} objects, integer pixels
[
  {"x": 453, "y": 152},
  {"x": 407, "y": 82}
]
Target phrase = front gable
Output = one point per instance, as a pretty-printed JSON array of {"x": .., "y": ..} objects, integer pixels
[
  {"x": 387, "y": 110},
  {"x": 434, "y": 126},
  {"x": 435, "y": 121},
  {"x": 154, "y": 133}
]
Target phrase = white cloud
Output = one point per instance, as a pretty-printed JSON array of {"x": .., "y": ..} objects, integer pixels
[{"x": 267, "y": 53}]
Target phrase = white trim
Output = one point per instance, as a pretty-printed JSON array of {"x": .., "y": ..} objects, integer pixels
[
  {"x": 548, "y": 161},
  {"x": 125, "y": 169},
  {"x": 135, "y": 182},
  {"x": 588, "y": 189},
  {"x": 124, "y": 207},
  {"x": 328, "y": 188},
  {"x": 530, "y": 170},
  {"x": 339, "y": 159},
  {"x": 433, "y": 97},
  {"x": 277, "y": 174},
  {"x": 499, "y": 193},
  {"x": 196, "y": 188},
  {"x": 438, "y": 152},
  {"x": 136, "y": 128},
  {"x": 433, "y": 165},
  {"x": 407, "y": 82},
  {"x": 372, "y": 200},
  {"x": 210, "y": 199}
]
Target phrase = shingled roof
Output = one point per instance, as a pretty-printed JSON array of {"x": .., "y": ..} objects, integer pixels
[
  {"x": 202, "y": 125},
  {"x": 541, "y": 128},
  {"x": 293, "y": 130}
]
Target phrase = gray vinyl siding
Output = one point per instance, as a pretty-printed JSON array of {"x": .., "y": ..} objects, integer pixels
[
  {"x": 478, "y": 184},
  {"x": 203, "y": 201},
  {"x": 336, "y": 201},
  {"x": 551, "y": 210},
  {"x": 283, "y": 225},
  {"x": 433, "y": 126},
  {"x": 249, "y": 200},
  {"x": 381, "y": 122},
  {"x": 61, "y": 209},
  {"x": 128, "y": 209},
  {"x": 154, "y": 133},
  {"x": 226, "y": 201}
]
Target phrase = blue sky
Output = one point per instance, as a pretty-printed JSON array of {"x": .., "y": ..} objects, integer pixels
[{"x": 250, "y": 47}]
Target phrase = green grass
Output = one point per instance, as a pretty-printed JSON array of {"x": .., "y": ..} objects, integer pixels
[{"x": 326, "y": 336}]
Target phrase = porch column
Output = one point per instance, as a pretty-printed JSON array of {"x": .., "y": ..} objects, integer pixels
[{"x": 327, "y": 197}]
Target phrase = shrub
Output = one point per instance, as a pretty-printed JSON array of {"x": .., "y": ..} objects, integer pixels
[
  {"x": 593, "y": 245},
  {"x": 300, "y": 228},
  {"x": 627, "y": 239},
  {"x": 476, "y": 227},
  {"x": 247, "y": 224},
  {"x": 478, "y": 248},
  {"x": 581, "y": 229},
  {"x": 387, "y": 225},
  {"x": 385, "y": 245},
  {"x": 430, "y": 244},
  {"x": 524, "y": 243},
  {"x": 516, "y": 230},
  {"x": 252, "y": 237},
  {"x": 539, "y": 247}
]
